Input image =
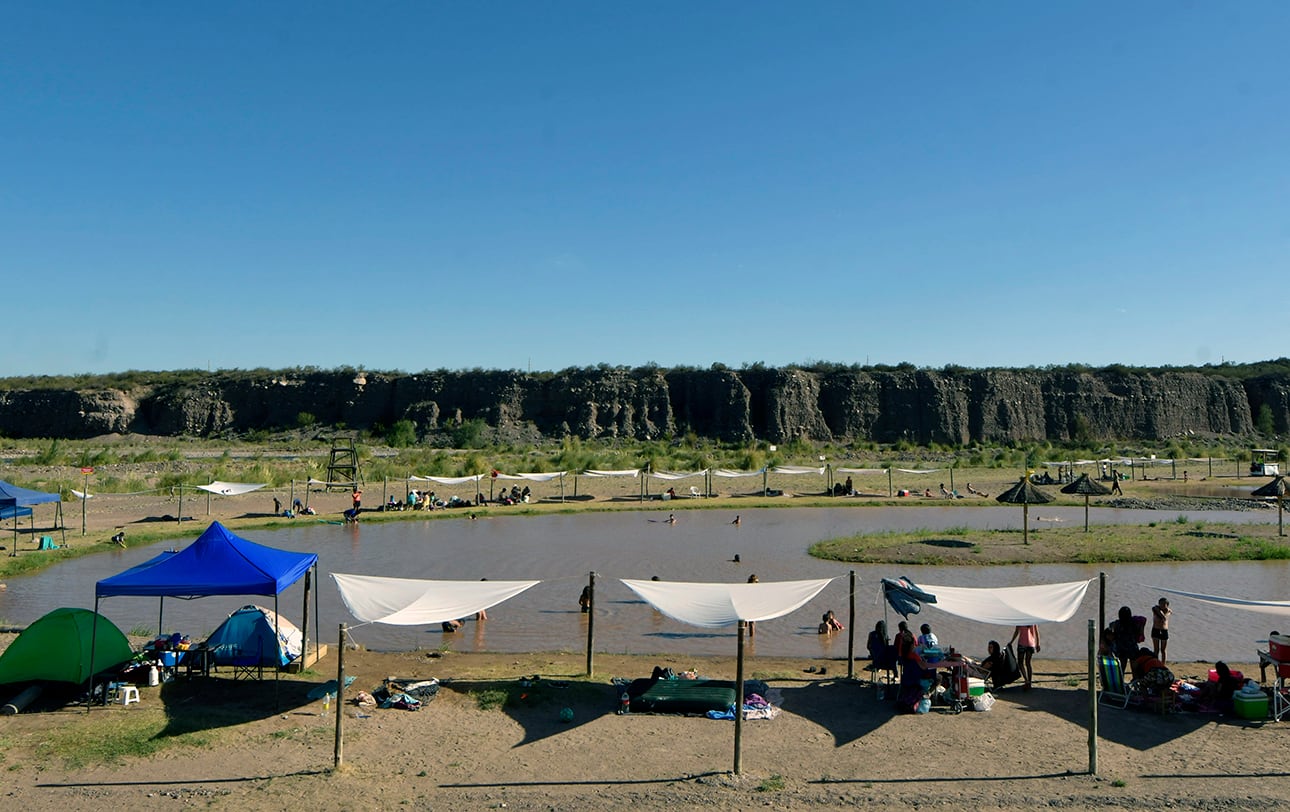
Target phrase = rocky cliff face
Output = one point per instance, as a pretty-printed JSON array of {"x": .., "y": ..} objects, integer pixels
[{"x": 778, "y": 405}]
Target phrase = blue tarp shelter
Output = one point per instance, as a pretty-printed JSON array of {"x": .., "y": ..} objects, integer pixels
[
  {"x": 217, "y": 563},
  {"x": 14, "y": 498}
]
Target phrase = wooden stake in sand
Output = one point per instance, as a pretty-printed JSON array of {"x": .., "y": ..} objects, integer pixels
[{"x": 339, "y": 755}]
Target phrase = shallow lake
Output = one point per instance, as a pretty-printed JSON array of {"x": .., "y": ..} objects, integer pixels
[{"x": 561, "y": 550}]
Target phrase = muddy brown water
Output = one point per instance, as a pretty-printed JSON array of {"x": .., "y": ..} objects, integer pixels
[{"x": 561, "y": 550}]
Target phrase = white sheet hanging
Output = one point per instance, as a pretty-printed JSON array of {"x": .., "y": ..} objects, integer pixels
[
  {"x": 632, "y": 472},
  {"x": 533, "y": 477},
  {"x": 917, "y": 470},
  {"x": 729, "y": 474},
  {"x": 1011, "y": 605},
  {"x": 80, "y": 495},
  {"x": 1281, "y": 608},
  {"x": 716, "y": 605},
  {"x": 670, "y": 475},
  {"x": 797, "y": 469},
  {"x": 230, "y": 488},
  {"x": 415, "y": 602},
  {"x": 447, "y": 480}
]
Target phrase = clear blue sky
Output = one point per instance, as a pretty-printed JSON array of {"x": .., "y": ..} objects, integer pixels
[{"x": 540, "y": 185}]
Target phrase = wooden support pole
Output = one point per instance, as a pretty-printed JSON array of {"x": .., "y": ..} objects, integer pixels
[
  {"x": 739, "y": 702},
  {"x": 591, "y": 623},
  {"x": 851, "y": 630},
  {"x": 1092, "y": 700},
  {"x": 1101, "y": 602},
  {"x": 339, "y": 755}
]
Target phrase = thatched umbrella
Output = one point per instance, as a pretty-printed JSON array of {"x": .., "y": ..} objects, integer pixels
[
  {"x": 1277, "y": 487},
  {"x": 1088, "y": 487},
  {"x": 1024, "y": 493}
]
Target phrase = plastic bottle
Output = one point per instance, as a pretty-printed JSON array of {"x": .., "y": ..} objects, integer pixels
[
  {"x": 326, "y": 702},
  {"x": 154, "y": 676},
  {"x": 625, "y": 703}
]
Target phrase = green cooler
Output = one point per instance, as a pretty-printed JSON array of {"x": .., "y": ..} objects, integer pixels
[{"x": 1251, "y": 706}]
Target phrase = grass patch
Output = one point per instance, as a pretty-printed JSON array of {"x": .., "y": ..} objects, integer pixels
[
  {"x": 772, "y": 783},
  {"x": 1102, "y": 544},
  {"x": 114, "y": 739},
  {"x": 490, "y": 699}
]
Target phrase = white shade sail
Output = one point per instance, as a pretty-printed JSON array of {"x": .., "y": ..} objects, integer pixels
[
  {"x": 716, "y": 605},
  {"x": 532, "y": 477},
  {"x": 1281, "y": 608},
  {"x": 632, "y": 472},
  {"x": 798, "y": 469},
  {"x": 673, "y": 475},
  {"x": 447, "y": 480},
  {"x": 1011, "y": 605},
  {"x": 230, "y": 488},
  {"x": 729, "y": 474},
  {"x": 415, "y": 602}
]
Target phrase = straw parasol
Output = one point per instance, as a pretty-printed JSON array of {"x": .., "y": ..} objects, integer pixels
[
  {"x": 1024, "y": 493},
  {"x": 1087, "y": 487},
  {"x": 1277, "y": 487}
]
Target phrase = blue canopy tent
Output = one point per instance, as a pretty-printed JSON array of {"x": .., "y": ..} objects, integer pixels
[
  {"x": 217, "y": 563},
  {"x": 14, "y": 498}
]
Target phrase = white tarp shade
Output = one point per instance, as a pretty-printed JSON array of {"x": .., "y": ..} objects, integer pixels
[
  {"x": 415, "y": 602},
  {"x": 1012, "y": 605},
  {"x": 80, "y": 495},
  {"x": 728, "y": 474},
  {"x": 860, "y": 470},
  {"x": 917, "y": 470},
  {"x": 797, "y": 469},
  {"x": 632, "y": 472},
  {"x": 1281, "y": 608},
  {"x": 324, "y": 483},
  {"x": 716, "y": 605},
  {"x": 533, "y": 477},
  {"x": 669, "y": 475},
  {"x": 447, "y": 480},
  {"x": 230, "y": 488}
]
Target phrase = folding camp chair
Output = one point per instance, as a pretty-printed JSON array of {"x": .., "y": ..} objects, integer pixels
[
  {"x": 244, "y": 664},
  {"x": 1115, "y": 690},
  {"x": 882, "y": 671}
]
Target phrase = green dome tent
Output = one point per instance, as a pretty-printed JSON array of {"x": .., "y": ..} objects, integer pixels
[{"x": 56, "y": 648}]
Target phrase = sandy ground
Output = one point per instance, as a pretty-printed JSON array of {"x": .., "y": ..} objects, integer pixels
[{"x": 834, "y": 745}]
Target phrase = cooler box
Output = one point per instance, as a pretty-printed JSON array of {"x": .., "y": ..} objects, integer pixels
[
  {"x": 169, "y": 659},
  {"x": 1213, "y": 675},
  {"x": 1279, "y": 650},
  {"x": 976, "y": 687},
  {"x": 1279, "y": 647},
  {"x": 1251, "y": 706}
]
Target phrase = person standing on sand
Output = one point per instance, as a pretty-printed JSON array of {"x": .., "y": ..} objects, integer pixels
[
  {"x": 1027, "y": 639},
  {"x": 1160, "y": 629},
  {"x": 1115, "y": 483}
]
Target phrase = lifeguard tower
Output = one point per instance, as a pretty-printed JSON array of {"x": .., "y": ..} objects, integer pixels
[
  {"x": 342, "y": 468},
  {"x": 1265, "y": 462}
]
